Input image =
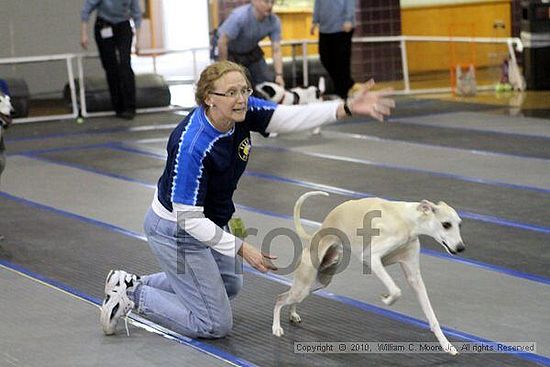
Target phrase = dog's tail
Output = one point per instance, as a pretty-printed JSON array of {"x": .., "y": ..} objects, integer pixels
[{"x": 297, "y": 208}]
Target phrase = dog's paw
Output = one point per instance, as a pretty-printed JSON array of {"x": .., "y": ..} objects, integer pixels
[
  {"x": 295, "y": 318},
  {"x": 278, "y": 331},
  {"x": 389, "y": 299}
]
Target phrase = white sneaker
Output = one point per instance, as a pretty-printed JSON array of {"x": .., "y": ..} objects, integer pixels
[
  {"x": 116, "y": 303},
  {"x": 117, "y": 277}
]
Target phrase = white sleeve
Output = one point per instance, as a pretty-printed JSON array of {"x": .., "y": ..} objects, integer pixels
[
  {"x": 288, "y": 119},
  {"x": 192, "y": 220}
]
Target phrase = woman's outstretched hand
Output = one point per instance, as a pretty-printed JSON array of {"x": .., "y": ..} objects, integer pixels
[{"x": 376, "y": 104}]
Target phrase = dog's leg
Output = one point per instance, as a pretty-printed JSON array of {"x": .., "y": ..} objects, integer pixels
[
  {"x": 411, "y": 267},
  {"x": 281, "y": 301},
  {"x": 304, "y": 276},
  {"x": 379, "y": 270},
  {"x": 291, "y": 297},
  {"x": 304, "y": 279},
  {"x": 294, "y": 317}
]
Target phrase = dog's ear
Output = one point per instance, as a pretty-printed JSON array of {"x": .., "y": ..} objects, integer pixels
[
  {"x": 426, "y": 207},
  {"x": 271, "y": 91}
]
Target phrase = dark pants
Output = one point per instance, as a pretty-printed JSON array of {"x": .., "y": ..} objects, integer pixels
[
  {"x": 254, "y": 62},
  {"x": 259, "y": 72},
  {"x": 115, "y": 58},
  {"x": 335, "y": 52}
]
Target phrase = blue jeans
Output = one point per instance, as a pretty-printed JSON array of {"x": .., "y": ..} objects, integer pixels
[{"x": 191, "y": 295}]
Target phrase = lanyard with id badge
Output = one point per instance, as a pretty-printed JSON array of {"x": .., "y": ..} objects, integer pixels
[{"x": 106, "y": 32}]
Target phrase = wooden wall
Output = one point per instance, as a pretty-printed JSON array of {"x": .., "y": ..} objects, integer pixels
[
  {"x": 486, "y": 19},
  {"x": 295, "y": 26}
]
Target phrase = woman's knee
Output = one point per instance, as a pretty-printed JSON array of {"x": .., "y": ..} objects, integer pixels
[
  {"x": 221, "y": 329},
  {"x": 218, "y": 327}
]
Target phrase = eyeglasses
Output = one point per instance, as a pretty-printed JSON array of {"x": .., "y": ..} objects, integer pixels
[{"x": 233, "y": 93}]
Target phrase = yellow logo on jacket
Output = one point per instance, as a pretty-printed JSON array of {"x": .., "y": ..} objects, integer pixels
[{"x": 244, "y": 149}]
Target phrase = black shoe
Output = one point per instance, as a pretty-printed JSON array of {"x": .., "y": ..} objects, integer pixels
[{"x": 127, "y": 115}]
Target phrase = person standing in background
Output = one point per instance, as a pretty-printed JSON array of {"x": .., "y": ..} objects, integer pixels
[
  {"x": 113, "y": 34},
  {"x": 336, "y": 22},
  {"x": 239, "y": 36}
]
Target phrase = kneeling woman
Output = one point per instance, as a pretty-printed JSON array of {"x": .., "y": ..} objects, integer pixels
[{"x": 186, "y": 226}]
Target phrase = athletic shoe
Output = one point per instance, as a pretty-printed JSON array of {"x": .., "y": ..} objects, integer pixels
[
  {"x": 118, "y": 277},
  {"x": 116, "y": 303}
]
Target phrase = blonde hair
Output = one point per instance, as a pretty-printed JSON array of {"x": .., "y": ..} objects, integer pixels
[{"x": 212, "y": 73}]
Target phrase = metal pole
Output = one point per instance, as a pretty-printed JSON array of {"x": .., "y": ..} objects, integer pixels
[
  {"x": 293, "y": 47},
  {"x": 71, "y": 85},
  {"x": 405, "y": 65},
  {"x": 305, "y": 64},
  {"x": 83, "y": 111}
]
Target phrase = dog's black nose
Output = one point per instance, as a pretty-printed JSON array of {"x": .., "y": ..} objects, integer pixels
[{"x": 460, "y": 247}]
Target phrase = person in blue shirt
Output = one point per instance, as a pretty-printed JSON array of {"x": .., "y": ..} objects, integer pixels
[
  {"x": 113, "y": 34},
  {"x": 186, "y": 226},
  {"x": 240, "y": 33},
  {"x": 336, "y": 21}
]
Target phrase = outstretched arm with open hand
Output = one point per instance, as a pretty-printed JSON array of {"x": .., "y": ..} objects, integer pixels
[{"x": 376, "y": 104}]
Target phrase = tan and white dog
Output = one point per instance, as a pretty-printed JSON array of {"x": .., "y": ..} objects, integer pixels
[{"x": 393, "y": 238}]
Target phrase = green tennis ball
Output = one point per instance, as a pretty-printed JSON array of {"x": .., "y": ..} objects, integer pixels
[{"x": 237, "y": 228}]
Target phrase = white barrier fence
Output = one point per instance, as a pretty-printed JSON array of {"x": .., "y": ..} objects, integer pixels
[
  {"x": 70, "y": 76},
  {"x": 513, "y": 43},
  {"x": 82, "y": 92},
  {"x": 79, "y": 105}
]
